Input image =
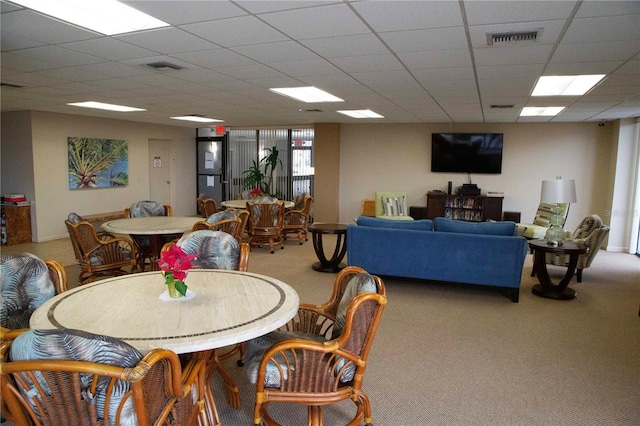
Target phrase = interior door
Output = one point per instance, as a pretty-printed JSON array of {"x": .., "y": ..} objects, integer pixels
[{"x": 160, "y": 171}]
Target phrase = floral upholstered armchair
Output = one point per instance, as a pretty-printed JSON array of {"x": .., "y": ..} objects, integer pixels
[{"x": 591, "y": 233}]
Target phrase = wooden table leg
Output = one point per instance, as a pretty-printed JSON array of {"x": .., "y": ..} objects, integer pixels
[{"x": 547, "y": 288}]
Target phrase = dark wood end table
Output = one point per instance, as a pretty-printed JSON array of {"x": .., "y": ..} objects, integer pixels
[
  {"x": 546, "y": 288},
  {"x": 333, "y": 264}
]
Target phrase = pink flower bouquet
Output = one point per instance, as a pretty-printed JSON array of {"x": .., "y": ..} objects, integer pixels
[{"x": 174, "y": 265}]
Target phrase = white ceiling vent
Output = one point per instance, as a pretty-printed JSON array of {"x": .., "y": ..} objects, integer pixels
[
  {"x": 163, "y": 66},
  {"x": 511, "y": 37}
]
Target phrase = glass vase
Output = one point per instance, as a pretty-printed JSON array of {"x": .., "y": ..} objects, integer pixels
[{"x": 173, "y": 292}]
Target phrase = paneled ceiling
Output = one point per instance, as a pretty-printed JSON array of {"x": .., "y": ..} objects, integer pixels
[{"x": 411, "y": 61}]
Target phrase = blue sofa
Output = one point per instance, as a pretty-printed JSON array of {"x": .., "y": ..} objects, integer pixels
[{"x": 483, "y": 253}]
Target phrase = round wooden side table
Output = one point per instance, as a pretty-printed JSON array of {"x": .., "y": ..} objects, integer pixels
[
  {"x": 317, "y": 231},
  {"x": 546, "y": 288}
]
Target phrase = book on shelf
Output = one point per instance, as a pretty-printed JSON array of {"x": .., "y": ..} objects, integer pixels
[{"x": 495, "y": 194}]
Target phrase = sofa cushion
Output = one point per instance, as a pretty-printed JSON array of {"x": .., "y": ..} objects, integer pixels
[
  {"x": 376, "y": 222},
  {"x": 442, "y": 224}
]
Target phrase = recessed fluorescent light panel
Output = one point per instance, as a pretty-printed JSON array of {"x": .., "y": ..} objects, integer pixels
[
  {"x": 108, "y": 107},
  {"x": 540, "y": 111},
  {"x": 307, "y": 94},
  {"x": 104, "y": 16},
  {"x": 566, "y": 85},
  {"x": 197, "y": 119},
  {"x": 361, "y": 113}
]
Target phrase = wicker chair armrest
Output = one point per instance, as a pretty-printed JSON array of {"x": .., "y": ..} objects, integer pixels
[
  {"x": 7, "y": 334},
  {"x": 310, "y": 319},
  {"x": 295, "y": 217},
  {"x": 105, "y": 236},
  {"x": 114, "y": 249}
]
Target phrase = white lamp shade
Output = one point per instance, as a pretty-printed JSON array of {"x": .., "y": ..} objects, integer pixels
[{"x": 558, "y": 191}]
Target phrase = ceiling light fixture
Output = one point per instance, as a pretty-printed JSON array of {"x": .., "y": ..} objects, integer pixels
[
  {"x": 566, "y": 85},
  {"x": 306, "y": 94},
  {"x": 107, "y": 17},
  {"x": 108, "y": 107},
  {"x": 361, "y": 113},
  {"x": 197, "y": 119},
  {"x": 540, "y": 111}
]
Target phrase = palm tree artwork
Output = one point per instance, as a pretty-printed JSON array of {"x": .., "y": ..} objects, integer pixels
[{"x": 97, "y": 163}]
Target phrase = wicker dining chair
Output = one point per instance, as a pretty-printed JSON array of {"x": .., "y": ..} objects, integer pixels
[
  {"x": 217, "y": 250},
  {"x": 266, "y": 220},
  {"x": 99, "y": 255},
  {"x": 207, "y": 206},
  {"x": 27, "y": 282},
  {"x": 320, "y": 356},
  {"x": 74, "y": 378},
  {"x": 296, "y": 221},
  {"x": 146, "y": 208}
]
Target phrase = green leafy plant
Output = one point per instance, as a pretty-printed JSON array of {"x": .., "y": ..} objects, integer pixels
[{"x": 261, "y": 174}]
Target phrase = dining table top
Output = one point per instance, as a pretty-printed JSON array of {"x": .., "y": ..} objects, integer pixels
[
  {"x": 222, "y": 308},
  {"x": 151, "y": 225},
  {"x": 242, "y": 204}
]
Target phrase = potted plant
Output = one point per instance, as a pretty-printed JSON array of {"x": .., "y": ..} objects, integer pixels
[{"x": 261, "y": 175}]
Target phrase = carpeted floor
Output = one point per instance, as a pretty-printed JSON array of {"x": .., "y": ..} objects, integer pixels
[{"x": 448, "y": 354}]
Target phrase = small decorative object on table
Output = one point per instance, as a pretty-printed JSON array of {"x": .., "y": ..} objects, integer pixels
[
  {"x": 174, "y": 264},
  {"x": 256, "y": 193}
]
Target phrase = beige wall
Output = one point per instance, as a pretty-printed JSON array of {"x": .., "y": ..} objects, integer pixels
[
  {"x": 352, "y": 161},
  {"x": 53, "y": 200},
  {"x": 398, "y": 158}
]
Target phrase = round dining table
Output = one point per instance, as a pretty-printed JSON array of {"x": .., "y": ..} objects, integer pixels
[
  {"x": 151, "y": 233},
  {"x": 242, "y": 204},
  {"x": 223, "y": 308}
]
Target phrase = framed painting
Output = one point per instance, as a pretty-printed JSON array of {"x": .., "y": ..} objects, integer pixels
[{"x": 97, "y": 163}]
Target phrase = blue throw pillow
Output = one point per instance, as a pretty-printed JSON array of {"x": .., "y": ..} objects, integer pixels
[
  {"x": 442, "y": 224},
  {"x": 375, "y": 222}
]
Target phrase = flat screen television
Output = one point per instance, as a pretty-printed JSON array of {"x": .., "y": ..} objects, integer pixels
[{"x": 466, "y": 152}]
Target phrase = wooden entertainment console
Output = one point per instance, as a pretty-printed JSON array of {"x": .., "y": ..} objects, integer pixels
[{"x": 470, "y": 208}]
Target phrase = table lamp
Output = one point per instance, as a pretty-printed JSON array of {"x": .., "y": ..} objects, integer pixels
[{"x": 558, "y": 191}]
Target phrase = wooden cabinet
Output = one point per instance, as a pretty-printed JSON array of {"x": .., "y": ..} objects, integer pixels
[
  {"x": 16, "y": 224},
  {"x": 464, "y": 207}
]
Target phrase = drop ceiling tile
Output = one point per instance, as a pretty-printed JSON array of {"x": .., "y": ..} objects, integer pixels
[
  {"x": 25, "y": 64},
  {"x": 268, "y": 53},
  {"x": 349, "y": 45},
  {"x": 32, "y": 79},
  {"x": 520, "y": 71},
  {"x": 114, "y": 69},
  {"x": 430, "y": 75},
  {"x": 595, "y": 52},
  {"x": 436, "y": 59},
  {"x": 70, "y": 73},
  {"x": 58, "y": 55},
  {"x": 322, "y": 21},
  {"x": 604, "y": 29},
  {"x": 426, "y": 40},
  {"x": 109, "y": 48},
  {"x": 491, "y": 12},
  {"x": 591, "y": 9},
  {"x": 32, "y": 25},
  {"x": 10, "y": 41},
  {"x": 216, "y": 58},
  {"x": 407, "y": 15},
  {"x": 202, "y": 76},
  {"x": 368, "y": 63},
  {"x": 306, "y": 68},
  {"x": 248, "y": 72},
  {"x": 576, "y": 68},
  {"x": 233, "y": 32},
  {"x": 167, "y": 40},
  {"x": 187, "y": 11},
  {"x": 508, "y": 55},
  {"x": 265, "y": 6}
]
